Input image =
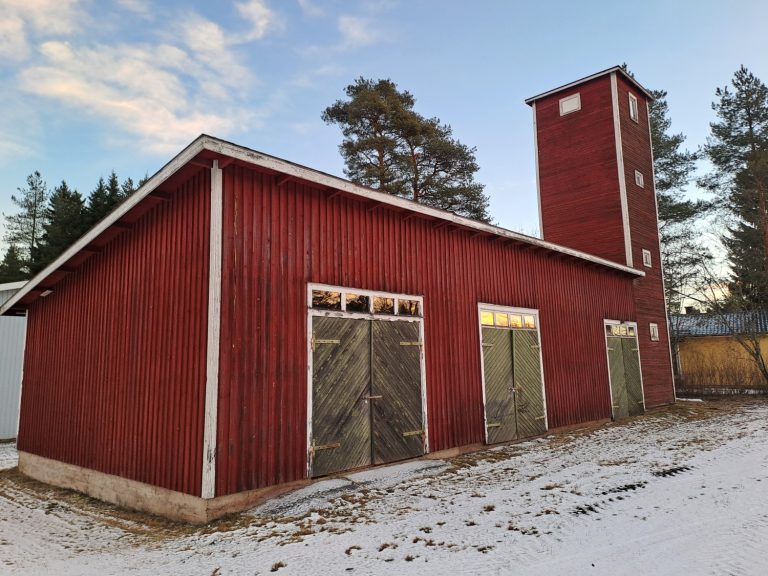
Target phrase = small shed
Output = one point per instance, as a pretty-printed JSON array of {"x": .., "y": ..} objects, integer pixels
[
  {"x": 710, "y": 358},
  {"x": 12, "y": 332}
]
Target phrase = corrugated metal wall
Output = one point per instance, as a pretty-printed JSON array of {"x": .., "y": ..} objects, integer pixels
[
  {"x": 12, "y": 331},
  {"x": 116, "y": 378},
  {"x": 277, "y": 239}
]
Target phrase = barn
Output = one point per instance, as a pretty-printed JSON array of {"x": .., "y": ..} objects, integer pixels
[{"x": 243, "y": 324}]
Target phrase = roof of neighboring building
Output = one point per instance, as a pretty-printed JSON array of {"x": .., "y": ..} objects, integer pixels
[
  {"x": 202, "y": 153},
  {"x": 726, "y": 324},
  {"x": 605, "y": 72}
]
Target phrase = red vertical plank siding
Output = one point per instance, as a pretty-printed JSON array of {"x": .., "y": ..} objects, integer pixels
[
  {"x": 277, "y": 239},
  {"x": 578, "y": 172},
  {"x": 649, "y": 291},
  {"x": 114, "y": 372}
]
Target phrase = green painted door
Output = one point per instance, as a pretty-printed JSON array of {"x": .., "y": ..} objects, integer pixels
[
  {"x": 529, "y": 394},
  {"x": 500, "y": 417},
  {"x": 618, "y": 378},
  {"x": 396, "y": 407},
  {"x": 634, "y": 385},
  {"x": 341, "y": 381}
]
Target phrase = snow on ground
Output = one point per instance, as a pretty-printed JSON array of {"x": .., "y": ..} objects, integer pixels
[{"x": 680, "y": 490}]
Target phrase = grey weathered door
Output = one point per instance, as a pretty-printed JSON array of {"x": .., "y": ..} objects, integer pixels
[
  {"x": 529, "y": 394},
  {"x": 501, "y": 422},
  {"x": 632, "y": 376},
  {"x": 341, "y": 379},
  {"x": 618, "y": 377},
  {"x": 396, "y": 407}
]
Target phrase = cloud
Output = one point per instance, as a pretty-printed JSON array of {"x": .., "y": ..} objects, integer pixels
[
  {"x": 310, "y": 8},
  {"x": 22, "y": 18},
  {"x": 137, "y": 89},
  {"x": 260, "y": 18},
  {"x": 356, "y": 31},
  {"x": 140, "y": 7}
]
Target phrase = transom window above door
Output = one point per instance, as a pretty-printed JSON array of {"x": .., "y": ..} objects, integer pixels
[
  {"x": 621, "y": 330},
  {"x": 510, "y": 320},
  {"x": 329, "y": 298}
]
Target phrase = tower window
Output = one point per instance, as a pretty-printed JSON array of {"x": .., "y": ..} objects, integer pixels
[
  {"x": 570, "y": 104},
  {"x": 654, "y": 328},
  {"x": 639, "y": 179},
  {"x": 647, "y": 258},
  {"x": 633, "y": 114}
]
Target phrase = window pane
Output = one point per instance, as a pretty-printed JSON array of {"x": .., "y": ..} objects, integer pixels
[
  {"x": 408, "y": 307},
  {"x": 623, "y": 330},
  {"x": 502, "y": 319},
  {"x": 358, "y": 303},
  {"x": 614, "y": 329},
  {"x": 631, "y": 330},
  {"x": 486, "y": 318},
  {"x": 383, "y": 305},
  {"x": 326, "y": 300},
  {"x": 530, "y": 321},
  {"x": 515, "y": 321}
]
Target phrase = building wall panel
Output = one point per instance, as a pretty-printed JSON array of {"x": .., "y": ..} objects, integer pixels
[
  {"x": 277, "y": 239},
  {"x": 578, "y": 172},
  {"x": 114, "y": 377},
  {"x": 12, "y": 333}
]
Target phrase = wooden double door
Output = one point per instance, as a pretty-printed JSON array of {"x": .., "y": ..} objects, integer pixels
[
  {"x": 366, "y": 393},
  {"x": 514, "y": 395},
  {"x": 624, "y": 368}
]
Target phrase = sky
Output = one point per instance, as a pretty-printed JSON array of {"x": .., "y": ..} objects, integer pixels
[{"x": 94, "y": 86}]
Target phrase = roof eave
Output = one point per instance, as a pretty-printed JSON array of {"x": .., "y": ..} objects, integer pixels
[{"x": 605, "y": 72}]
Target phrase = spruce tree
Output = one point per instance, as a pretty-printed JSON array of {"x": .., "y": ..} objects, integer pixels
[
  {"x": 66, "y": 222},
  {"x": 12, "y": 266},
  {"x": 737, "y": 148},
  {"x": 25, "y": 229},
  {"x": 104, "y": 198},
  {"x": 390, "y": 147}
]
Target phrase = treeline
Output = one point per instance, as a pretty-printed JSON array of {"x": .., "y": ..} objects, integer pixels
[{"x": 49, "y": 221}]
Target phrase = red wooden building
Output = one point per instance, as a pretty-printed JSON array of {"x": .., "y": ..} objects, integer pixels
[{"x": 243, "y": 323}]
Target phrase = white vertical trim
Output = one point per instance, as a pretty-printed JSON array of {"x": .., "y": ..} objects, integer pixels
[
  {"x": 21, "y": 381},
  {"x": 536, "y": 159},
  {"x": 214, "y": 336},
  {"x": 620, "y": 166},
  {"x": 661, "y": 260}
]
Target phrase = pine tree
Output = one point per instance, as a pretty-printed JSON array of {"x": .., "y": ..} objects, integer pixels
[
  {"x": 25, "y": 229},
  {"x": 737, "y": 148},
  {"x": 681, "y": 251},
  {"x": 389, "y": 146},
  {"x": 66, "y": 222},
  {"x": 12, "y": 266}
]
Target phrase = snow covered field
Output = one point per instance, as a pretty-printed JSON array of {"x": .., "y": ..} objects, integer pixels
[{"x": 681, "y": 490}]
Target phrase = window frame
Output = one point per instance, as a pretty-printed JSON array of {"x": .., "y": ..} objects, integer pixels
[
  {"x": 647, "y": 258},
  {"x": 639, "y": 179},
  {"x": 634, "y": 108},
  {"x": 567, "y": 99},
  {"x": 653, "y": 329}
]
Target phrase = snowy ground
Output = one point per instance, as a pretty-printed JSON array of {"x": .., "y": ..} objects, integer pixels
[{"x": 682, "y": 490}]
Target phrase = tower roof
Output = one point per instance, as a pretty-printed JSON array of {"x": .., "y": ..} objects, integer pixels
[{"x": 611, "y": 70}]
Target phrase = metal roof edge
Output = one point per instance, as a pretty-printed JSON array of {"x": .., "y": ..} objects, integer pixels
[
  {"x": 250, "y": 156},
  {"x": 321, "y": 178},
  {"x": 605, "y": 72},
  {"x": 12, "y": 285}
]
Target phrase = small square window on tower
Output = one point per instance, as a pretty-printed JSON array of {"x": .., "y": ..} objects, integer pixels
[
  {"x": 633, "y": 114},
  {"x": 570, "y": 104},
  {"x": 654, "y": 332},
  {"x": 647, "y": 258},
  {"x": 639, "y": 180}
]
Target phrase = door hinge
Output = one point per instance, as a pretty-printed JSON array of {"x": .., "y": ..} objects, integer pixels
[
  {"x": 317, "y": 448},
  {"x": 487, "y": 345},
  {"x": 540, "y": 418},
  {"x": 537, "y": 346},
  {"x": 493, "y": 425},
  {"x": 411, "y": 343},
  {"x": 413, "y": 433},
  {"x": 316, "y": 341}
]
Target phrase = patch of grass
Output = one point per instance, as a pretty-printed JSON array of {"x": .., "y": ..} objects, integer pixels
[
  {"x": 489, "y": 508},
  {"x": 276, "y": 566},
  {"x": 410, "y": 558},
  {"x": 551, "y": 486},
  {"x": 425, "y": 529},
  {"x": 351, "y": 549}
]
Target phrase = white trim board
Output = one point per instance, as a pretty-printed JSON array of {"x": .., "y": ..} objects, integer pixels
[
  {"x": 620, "y": 169},
  {"x": 210, "y": 426},
  {"x": 612, "y": 70}
]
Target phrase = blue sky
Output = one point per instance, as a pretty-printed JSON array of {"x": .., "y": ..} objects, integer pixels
[{"x": 91, "y": 86}]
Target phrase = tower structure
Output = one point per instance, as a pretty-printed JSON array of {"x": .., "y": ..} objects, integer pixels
[{"x": 596, "y": 190}]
